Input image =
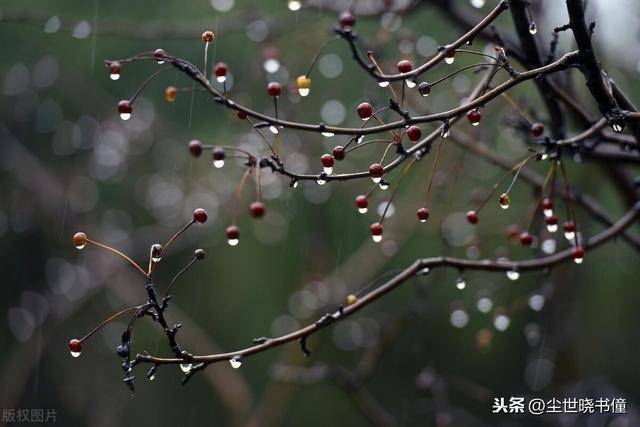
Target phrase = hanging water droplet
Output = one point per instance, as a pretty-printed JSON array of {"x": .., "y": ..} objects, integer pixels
[
  {"x": 544, "y": 156},
  {"x": 376, "y": 179},
  {"x": 383, "y": 84},
  {"x": 152, "y": 377},
  {"x": 233, "y": 242},
  {"x": 185, "y": 367},
  {"x": 303, "y": 91},
  {"x": 384, "y": 185},
  {"x": 446, "y": 132},
  {"x": 504, "y": 201},
  {"x": 449, "y": 59},
  {"x": 294, "y": 5},
  {"x": 461, "y": 283},
  {"x": 410, "y": 83},
  {"x": 578, "y": 260},
  {"x": 114, "y": 76},
  {"x": 533, "y": 28},
  {"x": 294, "y": 184},
  {"x": 75, "y": 353},
  {"x": 328, "y": 170},
  {"x": 547, "y": 212},
  {"x": 363, "y": 210},
  {"x": 424, "y": 88},
  {"x": 552, "y": 228},
  {"x": 513, "y": 275},
  {"x": 235, "y": 362},
  {"x": 360, "y": 138},
  {"x": 321, "y": 181},
  {"x": 328, "y": 134},
  {"x": 617, "y": 127},
  {"x": 377, "y": 238},
  {"x": 125, "y": 116},
  {"x": 478, "y": 3},
  {"x": 274, "y": 129},
  {"x": 156, "y": 252},
  {"x": 569, "y": 235},
  {"x": 218, "y": 163}
]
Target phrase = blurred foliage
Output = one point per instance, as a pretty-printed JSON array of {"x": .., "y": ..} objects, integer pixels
[{"x": 68, "y": 164}]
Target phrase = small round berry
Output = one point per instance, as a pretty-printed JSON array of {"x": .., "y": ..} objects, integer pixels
[
  {"x": 551, "y": 220},
  {"x": 327, "y": 160},
  {"x": 474, "y": 117},
  {"x": 376, "y": 170},
  {"x": 75, "y": 347},
  {"x": 241, "y": 115},
  {"x": 376, "y": 229},
  {"x": 303, "y": 82},
  {"x": 504, "y": 201},
  {"x": 200, "y": 216},
  {"x": 114, "y": 68},
  {"x": 195, "y": 148},
  {"x": 404, "y": 66},
  {"x": 218, "y": 153},
  {"x": 414, "y": 133},
  {"x": 362, "y": 202},
  {"x": 537, "y": 129},
  {"x": 170, "y": 94},
  {"x": 472, "y": 217},
  {"x": 351, "y": 299},
  {"x": 526, "y": 238},
  {"x": 364, "y": 110},
  {"x": 124, "y": 107},
  {"x": 257, "y": 209},
  {"x": 423, "y": 214},
  {"x": 424, "y": 88},
  {"x": 347, "y": 19},
  {"x": 79, "y": 240},
  {"x": 207, "y": 36},
  {"x": 578, "y": 254},
  {"x": 569, "y": 227},
  {"x": 338, "y": 152},
  {"x": 232, "y": 232},
  {"x": 220, "y": 69},
  {"x": 274, "y": 89},
  {"x": 199, "y": 253},
  {"x": 159, "y": 55},
  {"x": 547, "y": 203}
]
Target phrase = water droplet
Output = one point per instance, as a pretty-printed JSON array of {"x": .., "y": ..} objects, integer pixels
[
  {"x": 114, "y": 76},
  {"x": 617, "y": 127},
  {"x": 383, "y": 84},
  {"x": 328, "y": 134},
  {"x": 360, "y": 138},
  {"x": 478, "y": 3},
  {"x": 569, "y": 235},
  {"x": 294, "y": 5},
  {"x": 303, "y": 91},
  {"x": 449, "y": 60},
  {"x": 533, "y": 28},
  {"x": 125, "y": 116},
  {"x": 376, "y": 179},
  {"x": 547, "y": 212},
  {"x": 233, "y": 242},
  {"x": 513, "y": 275},
  {"x": 75, "y": 353},
  {"x": 576, "y": 260},
  {"x": 274, "y": 129},
  {"x": 461, "y": 283},
  {"x": 152, "y": 377},
  {"x": 185, "y": 367},
  {"x": 384, "y": 185},
  {"x": 221, "y": 79},
  {"x": 410, "y": 83},
  {"x": 504, "y": 200},
  {"x": 235, "y": 362},
  {"x": 552, "y": 228},
  {"x": 376, "y": 238},
  {"x": 218, "y": 163},
  {"x": 294, "y": 184},
  {"x": 446, "y": 132},
  {"x": 156, "y": 252},
  {"x": 328, "y": 170},
  {"x": 321, "y": 181},
  {"x": 363, "y": 210}
]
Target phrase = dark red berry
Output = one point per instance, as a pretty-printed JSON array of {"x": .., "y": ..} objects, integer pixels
[
  {"x": 414, "y": 133},
  {"x": 75, "y": 346},
  {"x": 195, "y": 148},
  {"x": 241, "y": 115},
  {"x": 569, "y": 226},
  {"x": 115, "y": 67},
  {"x": 376, "y": 229},
  {"x": 376, "y": 170},
  {"x": 200, "y": 216},
  {"x": 257, "y": 209},
  {"x": 551, "y": 220},
  {"x": 274, "y": 89},
  {"x": 338, "y": 152},
  {"x": 422, "y": 214},
  {"x": 218, "y": 153},
  {"x": 547, "y": 203},
  {"x": 220, "y": 69},
  {"x": 577, "y": 252},
  {"x": 526, "y": 238},
  {"x": 537, "y": 129},
  {"x": 365, "y": 110},
  {"x": 362, "y": 202},
  {"x": 347, "y": 19},
  {"x": 232, "y": 232},
  {"x": 159, "y": 55},
  {"x": 199, "y": 253},
  {"x": 472, "y": 217},
  {"x": 404, "y": 66},
  {"x": 124, "y": 107},
  {"x": 327, "y": 160},
  {"x": 474, "y": 117}
]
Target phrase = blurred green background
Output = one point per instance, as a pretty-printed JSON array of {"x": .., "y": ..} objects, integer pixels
[{"x": 69, "y": 164}]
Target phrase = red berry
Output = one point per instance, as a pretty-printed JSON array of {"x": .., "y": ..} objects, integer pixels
[
  {"x": 404, "y": 66},
  {"x": 220, "y": 69},
  {"x": 365, "y": 110},
  {"x": 537, "y": 129},
  {"x": 338, "y": 152},
  {"x": 218, "y": 153},
  {"x": 199, "y": 253},
  {"x": 114, "y": 67},
  {"x": 569, "y": 226},
  {"x": 124, "y": 107},
  {"x": 257, "y": 209},
  {"x": 274, "y": 89},
  {"x": 472, "y": 217},
  {"x": 241, "y": 115},
  {"x": 75, "y": 346},
  {"x": 547, "y": 203},
  {"x": 232, "y": 232},
  {"x": 159, "y": 54},
  {"x": 200, "y": 216},
  {"x": 347, "y": 19},
  {"x": 376, "y": 229},
  {"x": 195, "y": 148},
  {"x": 474, "y": 117},
  {"x": 414, "y": 133},
  {"x": 422, "y": 214},
  {"x": 376, "y": 170},
  {"x": 551, "y": 220},
  {"x": 577, "y": 252},
  {"x": 327, "y": 160},
  {"x": 362, "y": 202},
  {"x": 526, "y": 238}
]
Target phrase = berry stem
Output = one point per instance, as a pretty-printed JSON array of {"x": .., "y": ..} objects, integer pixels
[
  {"x": 396, "y": 187},
  {"x": 117, "y": 252},
  {"x": 241, "y": 184},
  {"x": 110, "y": 319},
  {"x": 433, "y": 172}
]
